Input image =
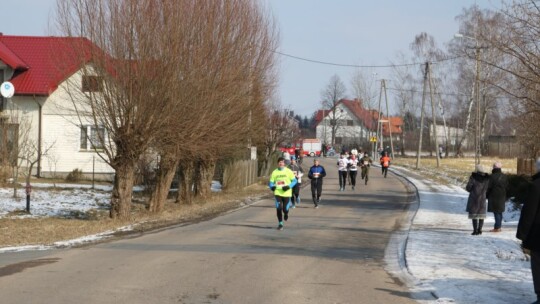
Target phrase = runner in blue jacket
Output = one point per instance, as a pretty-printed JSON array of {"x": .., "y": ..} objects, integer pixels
[{"x": 316, "y": 175}]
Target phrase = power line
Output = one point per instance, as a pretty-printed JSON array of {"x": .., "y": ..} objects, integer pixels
[
  {"x": 363, "y": 66},
  {"x": 438, "y": 93}
]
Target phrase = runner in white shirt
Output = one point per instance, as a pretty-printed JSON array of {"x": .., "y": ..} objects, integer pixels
[
  {"x": 342, "y": 170},
  {"x": 353, "y": 169}
]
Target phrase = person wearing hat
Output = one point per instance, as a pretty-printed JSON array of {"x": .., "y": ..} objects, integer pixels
[
  {"x": 496, "y": 195},
  {"x": 476, "y": 203},
  {"x": 528, "y": 230},
  {"x": 281, "y": 182},
  {"x": 298, "y": 173}
]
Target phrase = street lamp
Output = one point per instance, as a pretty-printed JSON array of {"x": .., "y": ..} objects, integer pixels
[{"x": 476, "y": 89}]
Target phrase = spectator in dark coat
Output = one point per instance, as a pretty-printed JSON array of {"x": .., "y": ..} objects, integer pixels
[
  {"x": 529, "y": 228},
  {"x": 476, "y": 204},
  {"x": 496, "y": 195}
]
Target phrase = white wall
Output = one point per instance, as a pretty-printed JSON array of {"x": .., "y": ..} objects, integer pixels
[
  {"x": 61, "y": 132},
  {"x": 353, "y": 133}
]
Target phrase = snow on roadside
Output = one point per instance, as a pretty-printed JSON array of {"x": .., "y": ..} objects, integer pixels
[
  {"x": 53, "y": 202},
  {"x": 456, "y": 267}
]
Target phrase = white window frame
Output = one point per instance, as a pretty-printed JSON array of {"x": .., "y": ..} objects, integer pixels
[{"x": 89, "y": 139}]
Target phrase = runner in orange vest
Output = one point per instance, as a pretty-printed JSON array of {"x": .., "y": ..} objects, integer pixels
[{"x": 385, "y": 163}]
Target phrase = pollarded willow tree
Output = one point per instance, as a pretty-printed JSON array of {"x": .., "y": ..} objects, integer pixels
[
  {"x": 130, "y": 70},
  {"x": 226, "y": 49}
]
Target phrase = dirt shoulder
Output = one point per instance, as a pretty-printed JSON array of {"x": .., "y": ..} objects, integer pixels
[{"x": 17, "y": 231}]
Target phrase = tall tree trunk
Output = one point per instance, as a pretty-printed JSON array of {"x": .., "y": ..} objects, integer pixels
[
  {"x": 185, "y": 182},
  {"x": 122, "y": 190},
  {"x": 205, "y": 175},
  {"x": 167, "y": 168}
]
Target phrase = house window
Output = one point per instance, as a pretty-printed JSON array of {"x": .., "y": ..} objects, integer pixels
[
  {"x": 350, "y": 123},
  {"x": 92, "y": 84},
  {"x": 92, "y": 137}
]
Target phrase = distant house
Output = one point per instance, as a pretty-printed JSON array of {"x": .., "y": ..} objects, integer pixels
[
  {"x": 355, "y": 124},
  {"x": 39, "y": 68}
]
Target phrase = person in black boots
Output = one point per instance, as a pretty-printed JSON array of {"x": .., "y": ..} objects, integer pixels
[
  {"x": 476, "y": 203},
  {"x": 528, "y": 230},
  {"x": 316, "y": 174},
  {"x": 496, "y": 195}
]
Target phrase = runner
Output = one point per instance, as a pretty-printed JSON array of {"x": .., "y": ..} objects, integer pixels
[
  {"x": 316, "y": 174},
  {"x": 342, "y": 171},
  {"x": 385, "y": 163},
  {"x": 281, "y": 183},
  {"x": 353, "y": 169},
  {"x": 365, "y": 163},
  {"x": 298, "y": 173}
]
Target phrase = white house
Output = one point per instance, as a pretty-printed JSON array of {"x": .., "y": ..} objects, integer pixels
[
  {"x": 40, "y": 69},
  {"x": 355, "y": 124}
]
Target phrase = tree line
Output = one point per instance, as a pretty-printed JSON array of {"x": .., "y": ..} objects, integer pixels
[
  {"x": 189, "y": 81},
  {"x": 484, "y": 80}
]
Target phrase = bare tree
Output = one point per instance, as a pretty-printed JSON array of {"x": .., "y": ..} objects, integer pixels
[
  {"x": 405, "y": 89},
  {"x": 331, "y": 95},
  {"x": 226, "y": 50},
  {"x": 364, "y": 87},
  {"x": 127, "y": 72},
  {"x": 517, "y": 37}
]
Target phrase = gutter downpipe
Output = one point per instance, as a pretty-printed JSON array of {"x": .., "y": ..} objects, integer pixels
[{"x": 38, "y": 169}]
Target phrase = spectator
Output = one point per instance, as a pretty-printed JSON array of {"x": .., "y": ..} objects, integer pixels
[
  {"x": 529, "y": 228},
  {"x": 476, "y": 203},
  {"x": 496, "y": 195}
]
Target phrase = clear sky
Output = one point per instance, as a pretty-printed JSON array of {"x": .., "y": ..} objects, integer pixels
[{"x": 358, "y": 32}]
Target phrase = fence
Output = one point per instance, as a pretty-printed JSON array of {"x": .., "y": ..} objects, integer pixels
[
  {"x": 240, "y": 174},
  {"x": 505, "y": 146},
  {"x": 526, "y": 166}
]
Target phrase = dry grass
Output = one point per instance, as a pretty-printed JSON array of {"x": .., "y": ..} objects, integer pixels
[
  {"x": 46, "y": 231},
  {"x": 453, "y": 170}
]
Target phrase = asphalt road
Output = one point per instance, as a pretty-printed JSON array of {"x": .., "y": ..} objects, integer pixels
[{"x": 333, "y": 254}]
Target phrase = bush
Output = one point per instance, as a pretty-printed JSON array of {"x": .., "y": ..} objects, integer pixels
[{"x": 74, "y": 176}]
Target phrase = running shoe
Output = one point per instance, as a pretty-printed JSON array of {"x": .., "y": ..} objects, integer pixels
[
  {"x": 280, "y": 226},
  {"x": 286, "y": 216}
]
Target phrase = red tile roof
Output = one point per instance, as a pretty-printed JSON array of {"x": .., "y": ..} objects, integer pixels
[{"x": 41, "y": 63}]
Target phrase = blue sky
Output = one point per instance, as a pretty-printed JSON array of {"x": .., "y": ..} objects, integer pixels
[{"x": 359, "y": 32}]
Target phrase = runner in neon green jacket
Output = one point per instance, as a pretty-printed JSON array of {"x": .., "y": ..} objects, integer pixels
[{"x": 281, "y": 183}]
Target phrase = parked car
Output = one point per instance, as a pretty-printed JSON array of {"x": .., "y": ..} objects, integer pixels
[{"x": 331, "y": 152}]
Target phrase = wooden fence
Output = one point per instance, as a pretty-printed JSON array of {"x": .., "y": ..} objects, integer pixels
[
  {"x": 526, "y": 166},
  {"x": 240, "y": 174},
  {"x": 505, "y": 147}
]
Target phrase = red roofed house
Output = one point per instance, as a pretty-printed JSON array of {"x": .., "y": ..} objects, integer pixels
[
  {"x": 355, "y": 124},
  {"x": 40, "y": 68}
]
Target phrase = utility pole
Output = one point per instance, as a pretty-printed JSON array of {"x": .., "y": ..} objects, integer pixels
[
  {"x": 477, "y": 148},
  {"x": 389, "y": 122},
  {"x": 434, "y": 117},
  {"x": 379, "y": 127},
  {"x": 422, "y": 115}
]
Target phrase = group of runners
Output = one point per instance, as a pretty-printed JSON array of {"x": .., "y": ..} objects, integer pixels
[{"x": 285, "y": 181}]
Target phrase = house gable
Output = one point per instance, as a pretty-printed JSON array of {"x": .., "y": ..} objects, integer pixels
[{"x": 40, "y": 64}]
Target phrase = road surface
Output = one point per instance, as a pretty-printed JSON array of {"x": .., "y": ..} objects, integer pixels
[{"x": 333, "y": 254}]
